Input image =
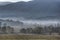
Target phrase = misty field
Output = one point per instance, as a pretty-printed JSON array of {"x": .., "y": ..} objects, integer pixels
[{"x": 29, "y": 37}]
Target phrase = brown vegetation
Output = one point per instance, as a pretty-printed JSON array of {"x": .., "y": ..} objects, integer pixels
[{"x": 29, "y": 37}]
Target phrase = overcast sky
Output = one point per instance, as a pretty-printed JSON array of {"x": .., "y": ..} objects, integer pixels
[{"x": 13, "y": 0}]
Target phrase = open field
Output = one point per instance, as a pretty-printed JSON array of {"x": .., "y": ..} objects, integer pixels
[{"x": 29, "y": 37}]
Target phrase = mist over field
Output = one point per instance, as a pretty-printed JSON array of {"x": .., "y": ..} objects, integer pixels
[{"x": 30, "y": 19}]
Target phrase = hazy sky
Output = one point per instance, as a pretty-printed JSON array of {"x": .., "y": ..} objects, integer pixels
[{"x": 13, "y": 0}]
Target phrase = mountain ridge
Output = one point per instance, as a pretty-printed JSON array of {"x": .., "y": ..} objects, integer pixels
[{"x": 31, "y": 9}]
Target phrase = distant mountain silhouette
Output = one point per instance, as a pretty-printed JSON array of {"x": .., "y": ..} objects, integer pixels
[{"x": 33, "y": 9}]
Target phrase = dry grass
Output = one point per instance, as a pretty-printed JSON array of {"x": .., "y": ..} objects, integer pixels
[{"x": 29, "y": 37}]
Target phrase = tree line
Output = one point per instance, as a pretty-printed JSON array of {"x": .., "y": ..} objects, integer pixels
[
  {"x": 6, "y": 29},
  {"x": 42, "y": 30}
]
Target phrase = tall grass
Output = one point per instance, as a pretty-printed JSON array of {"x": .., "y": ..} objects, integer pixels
[{"x": 29, "y": 37}]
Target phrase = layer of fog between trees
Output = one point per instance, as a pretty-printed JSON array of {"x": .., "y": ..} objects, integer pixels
[{"x": 39, "y": 29}]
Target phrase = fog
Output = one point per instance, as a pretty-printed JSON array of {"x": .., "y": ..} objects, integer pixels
[{"x": 33, "y": 21}]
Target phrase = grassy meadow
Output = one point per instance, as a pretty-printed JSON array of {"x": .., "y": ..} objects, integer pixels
[{"x": 29, "y": 37}]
